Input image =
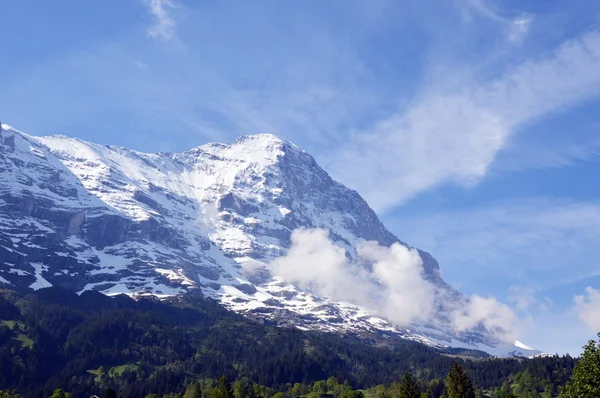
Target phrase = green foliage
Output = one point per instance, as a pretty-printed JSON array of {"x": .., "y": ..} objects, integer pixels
[
  {"x": 319, "y": 387},
  {"x": 194, "y": 390},
  {"x": 223, "y": 389},
  {"x": 381, "y": 391},
  {"x": 436, "y": 388},
  {"x": 458, "y": 383},
  {"x": 298, "y": 389},
  {"x": 585, "y": 381},
  {"x": 350, "y": 393},
  {"x": 332, "y": 383},
  {"x": 58, "y": 393},
  {"x": 244, "y": 388},
  {"x": 408, "y": 387}
]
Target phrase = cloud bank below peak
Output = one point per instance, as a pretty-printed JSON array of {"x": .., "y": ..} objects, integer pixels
[{"x": 387, "y": 280}]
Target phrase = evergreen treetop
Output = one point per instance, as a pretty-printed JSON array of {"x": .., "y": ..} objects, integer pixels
[{"x": 458, "y": 383}]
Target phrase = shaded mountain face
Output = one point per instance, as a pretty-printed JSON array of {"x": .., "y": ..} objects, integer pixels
[{"x": 92, "y": 217}]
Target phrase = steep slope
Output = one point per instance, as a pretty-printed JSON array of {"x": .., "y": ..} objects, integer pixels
[{"x": 93, "y": 217}]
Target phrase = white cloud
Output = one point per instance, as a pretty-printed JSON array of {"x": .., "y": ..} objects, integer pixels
[
  {"x": 405, "y": 295},
  {"x": 316, "y": 263},
  {"x": 587, "y": 307},
  {"x": 453, "y": 136},
  {"x": 394, "y": 287},
  {"x": 495, "y": 317},
  {"x": 388, "y": 280},
  {"x": 164, "y": 24}
]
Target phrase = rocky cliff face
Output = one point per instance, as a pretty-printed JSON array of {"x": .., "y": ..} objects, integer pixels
[{"x": 93, "y": 217}]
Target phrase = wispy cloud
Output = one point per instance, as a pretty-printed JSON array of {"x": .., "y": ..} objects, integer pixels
[
  {"x": 452, "y": 136},
  {"x": 525, "y": 299},
  {"x": 164, "y": 25},
  {"x": 539, "y": 157},
  {"x": 535, "y": 241},
  {"x": 587, "y": 307},
  {"x": 517, "y": 27}
]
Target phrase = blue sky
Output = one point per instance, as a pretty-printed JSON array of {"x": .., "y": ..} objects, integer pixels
[{"x": 471, "y": 126}]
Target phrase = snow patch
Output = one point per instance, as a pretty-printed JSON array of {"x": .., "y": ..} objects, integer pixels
[{"x": 40, "y": 282}]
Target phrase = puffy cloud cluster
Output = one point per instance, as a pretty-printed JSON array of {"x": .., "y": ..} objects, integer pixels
[
  {"x": 314, "y": 262},
  {"x": 389, "y": 280},
  {"x": 404, "y": 294},
  {"x": 393, "y": 284}
]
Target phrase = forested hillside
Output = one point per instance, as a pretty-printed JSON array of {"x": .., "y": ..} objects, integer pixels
[{"x": 53, "y": 338}]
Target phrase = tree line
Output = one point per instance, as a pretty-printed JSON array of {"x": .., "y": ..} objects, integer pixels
[{"x": 89, "y": 343}]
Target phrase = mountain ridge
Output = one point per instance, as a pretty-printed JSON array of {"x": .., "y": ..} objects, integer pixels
[{"x": 119, "y": 221}]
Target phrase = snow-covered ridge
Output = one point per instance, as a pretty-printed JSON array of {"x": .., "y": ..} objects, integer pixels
[{"x": 88, "y": 216}]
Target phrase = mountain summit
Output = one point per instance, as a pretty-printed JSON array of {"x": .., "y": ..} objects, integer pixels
[{"x": 93, "y": 217}]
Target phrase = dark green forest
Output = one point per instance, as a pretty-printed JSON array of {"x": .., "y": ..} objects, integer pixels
[{"x": 88, "y": 344}]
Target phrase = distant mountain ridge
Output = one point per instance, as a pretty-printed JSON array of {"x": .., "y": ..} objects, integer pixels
[{"x": 92, "y": 217}]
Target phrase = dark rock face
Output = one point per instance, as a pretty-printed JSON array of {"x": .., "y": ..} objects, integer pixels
[{"x": 246, "y": 288}]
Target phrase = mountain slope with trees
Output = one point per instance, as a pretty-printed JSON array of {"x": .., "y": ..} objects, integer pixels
[{"x": 53, "y": 338}]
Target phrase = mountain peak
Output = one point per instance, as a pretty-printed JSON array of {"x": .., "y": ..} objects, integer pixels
[
  {"x": 260, "y": 139},
  {"x": 257, "y": 149},
  {"x": 265, "y": 142},
  {"x": 91, "y": 217}
]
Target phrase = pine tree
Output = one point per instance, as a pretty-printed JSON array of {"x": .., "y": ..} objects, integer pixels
[
  {"x": 585, "y": 381},
  {"x": 408, "y": 387},
  {"x": 458, "y": 384},
  {"x": 222, "y": 390}
]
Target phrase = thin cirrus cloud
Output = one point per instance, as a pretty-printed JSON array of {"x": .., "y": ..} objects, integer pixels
[
  {"x": 541, "y": 241},
  {"x": 524, "y": 298},
  {"x": 453, "y": 136},
  {"x": 517, "y": 27},
  {"x": 163, "y": 27}
]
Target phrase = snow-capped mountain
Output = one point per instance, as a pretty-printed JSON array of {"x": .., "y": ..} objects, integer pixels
[{"x": 86, "y": 216}]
